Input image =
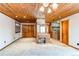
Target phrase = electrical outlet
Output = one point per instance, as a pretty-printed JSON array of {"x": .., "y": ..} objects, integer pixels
[
  {"x": 4, "y": 41},
  {"x": 77, "y": 43}
]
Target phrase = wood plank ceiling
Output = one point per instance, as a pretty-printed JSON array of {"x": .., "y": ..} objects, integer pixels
[{"x": 24, "y": 12}]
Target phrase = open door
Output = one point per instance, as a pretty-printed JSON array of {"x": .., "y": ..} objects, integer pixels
[{"x": 64, "y": 25}]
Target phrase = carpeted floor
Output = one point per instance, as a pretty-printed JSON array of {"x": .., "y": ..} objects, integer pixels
[{"x": 28, "y": 47}]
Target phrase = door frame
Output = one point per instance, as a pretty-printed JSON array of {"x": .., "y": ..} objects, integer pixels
[
  {"x": 61, "y": 31},
  {"x": 29, "y": 25}
]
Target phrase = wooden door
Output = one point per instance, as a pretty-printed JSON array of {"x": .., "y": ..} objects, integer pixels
[
  {"x": 65, "y": 32},
  {"x": 28, "y": 30}
]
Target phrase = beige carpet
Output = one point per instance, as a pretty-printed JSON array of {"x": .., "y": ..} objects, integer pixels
[{"x": 28, "y": 47}]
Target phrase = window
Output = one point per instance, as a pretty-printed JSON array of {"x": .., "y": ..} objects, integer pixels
[
  {"x": 17, "y": 27},
  {"x": 42, "y": 29}
]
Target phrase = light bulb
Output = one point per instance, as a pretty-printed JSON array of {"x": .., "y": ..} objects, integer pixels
[
  {"x": 49, "y": 10},
  {"x": 42, "y": 8},
  {"x": 45, "y": 4},
  {"x": 55, "y": 6}
]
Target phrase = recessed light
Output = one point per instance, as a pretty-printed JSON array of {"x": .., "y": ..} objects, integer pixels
[
  {"x": 24, "y": 16},
  {"x": 16, "y": 16}
]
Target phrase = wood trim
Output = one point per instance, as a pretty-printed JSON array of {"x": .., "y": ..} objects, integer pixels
[
  {"x": 30, "y": 11},
  {"x": 64, "y": 30},
  {"x": 73, "y": 47},
  {"x": 28, "y": 23}
]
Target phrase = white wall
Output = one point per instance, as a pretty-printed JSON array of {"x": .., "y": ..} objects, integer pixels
[
  {"x": 7, "y": 30},
  {"x": 73, "y": 30}
]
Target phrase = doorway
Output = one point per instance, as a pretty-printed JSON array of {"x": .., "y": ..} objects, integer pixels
[
  {"x": 64, "y": 32},
  {"x": 56, "y": 30},
  {"x": 28, "y": 31}
]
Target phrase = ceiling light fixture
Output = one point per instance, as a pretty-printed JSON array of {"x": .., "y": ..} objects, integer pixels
[
  {"x": 45, "y": 4},
  {"x": 42, "y": 9},
  {"x": 49, "y": 10},
  {"x": 51, "y": 6},
  {"x": 54, "y": 5}
]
